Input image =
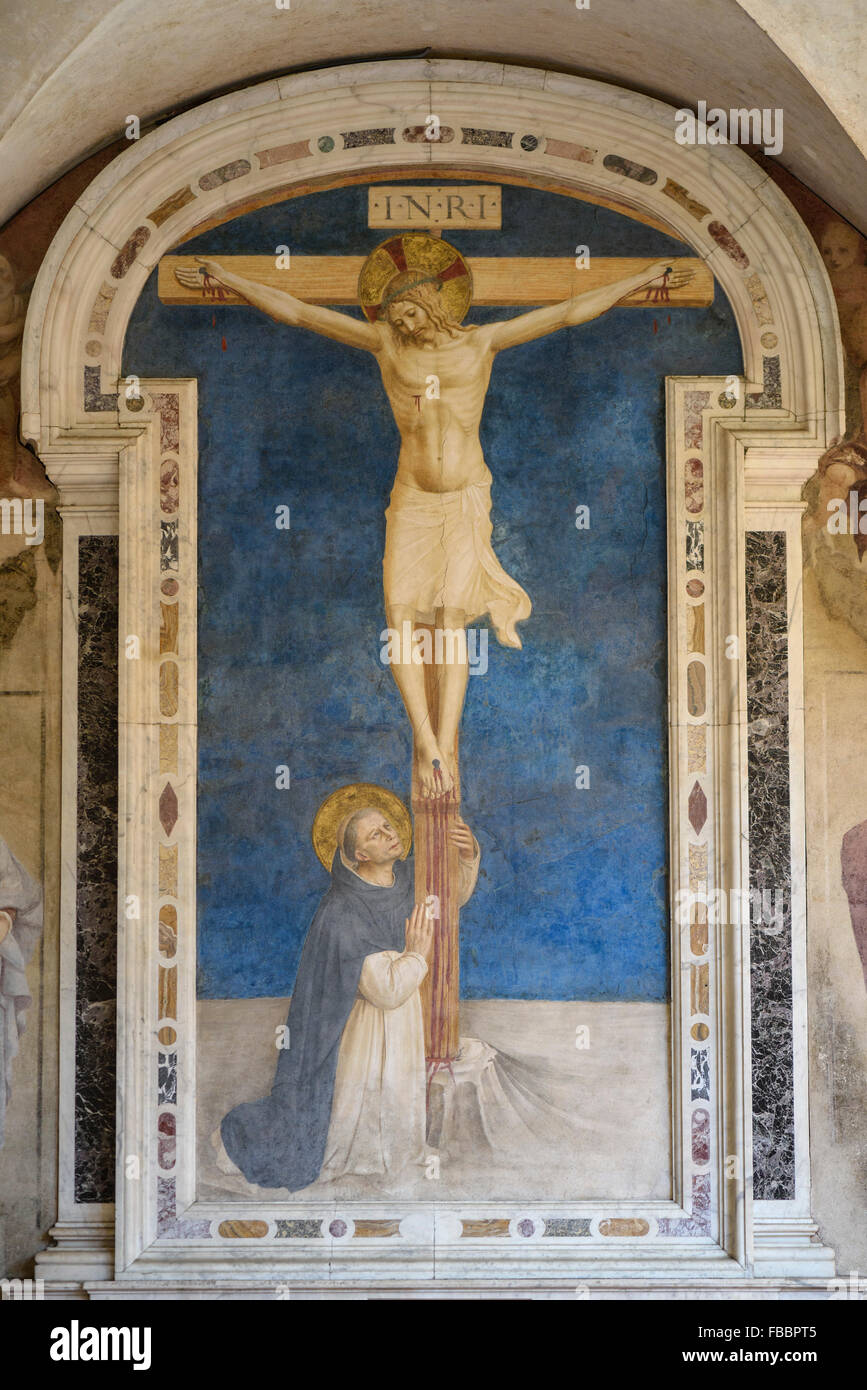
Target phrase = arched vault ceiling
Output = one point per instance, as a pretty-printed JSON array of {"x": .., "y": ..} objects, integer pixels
[{"x": 70, "y": 73}]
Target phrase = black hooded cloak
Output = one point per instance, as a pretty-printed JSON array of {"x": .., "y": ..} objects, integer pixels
[{"x": 279, "y": 1141}]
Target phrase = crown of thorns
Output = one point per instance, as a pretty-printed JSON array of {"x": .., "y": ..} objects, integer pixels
[{"x": 401, "y": 293}]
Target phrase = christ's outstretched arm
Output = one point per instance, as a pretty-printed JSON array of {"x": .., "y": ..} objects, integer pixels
[
  {"x": 580, "y": 309},
  {"x": 285, "y": 308}
]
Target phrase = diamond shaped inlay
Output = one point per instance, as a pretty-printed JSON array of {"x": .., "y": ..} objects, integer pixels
[
  {"x": 697, "y": 808},
  {"x": 168, "y": 808}
]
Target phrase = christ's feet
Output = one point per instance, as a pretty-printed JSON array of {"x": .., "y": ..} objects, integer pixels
[{"x": 433, "y": 773}]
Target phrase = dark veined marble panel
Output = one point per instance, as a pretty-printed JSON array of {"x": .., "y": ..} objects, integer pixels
[
  {"x": 96, "y": 894},
  {"x": 770, "y": 867}
]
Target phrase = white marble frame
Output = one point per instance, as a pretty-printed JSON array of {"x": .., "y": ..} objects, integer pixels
[{"x": 767, "y": 454}]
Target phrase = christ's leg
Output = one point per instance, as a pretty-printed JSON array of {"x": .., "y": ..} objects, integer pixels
[
  {"x": 409, "y": 677},
  {"x": 452, "y": 678}
]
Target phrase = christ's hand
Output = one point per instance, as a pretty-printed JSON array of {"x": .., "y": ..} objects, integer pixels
[
  {"x": 657, "y": 270},
  {"x": 419, "y": 931},
  {"x": 194, "y": 279},
  {"x": 462, "y": 836}
]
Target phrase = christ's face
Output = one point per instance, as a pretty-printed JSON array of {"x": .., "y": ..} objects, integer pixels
[
  {"x": 840, "y": 247},
  {"x": 411, "y": 322},
  {"x": 378, "y": 842}
]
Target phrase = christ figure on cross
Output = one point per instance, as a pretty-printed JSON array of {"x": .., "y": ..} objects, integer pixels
[{"x": 438, "y": 555}]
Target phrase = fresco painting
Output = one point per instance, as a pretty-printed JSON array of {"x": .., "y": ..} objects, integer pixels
[{"x": 483, "y": 993}]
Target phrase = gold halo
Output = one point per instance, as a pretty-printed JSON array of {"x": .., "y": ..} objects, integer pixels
[
  {"x": 430, "y": 257},
  {"x": 343, "y": 802}
]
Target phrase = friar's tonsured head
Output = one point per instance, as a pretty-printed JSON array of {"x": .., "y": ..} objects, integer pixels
[{"x": 368, "y": 837}]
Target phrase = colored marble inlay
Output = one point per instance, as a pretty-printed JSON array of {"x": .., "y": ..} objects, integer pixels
[
  {"x": 166, "y": 1147},
  {"x": 170, "y": 492},
  {"x": 243, "y": 1230},
  {"x": 168, "y": 930},
  {"x": 101, "y": 306},
  {"x": 697, "y": 808},
  {"x": 696, "y": 748},
  {"x": 474, "y": 136},
  {"x": 616, "y": 164},
  {"x": 699, "y": 1032},
  {"x": 168, "y": 748},
  {"x": 680, "y": 195},
  {"x": 701, "y": 1135},
  {"x": 94, "y": 400},
  {"x": 698, "y": 1224},
  {"x": 168, "y": 628},
  {"x": 167, "y": 996},
  {"x": 695, "y": 628},
  {"x": 694, "y": 545},
  {"x": 168, "y": 808},
  {"x": 699, "y": 1074},
  {"x": 419, "y": 135},
  {"x": 624, "y": 1226},
  {"x": 284, "y": 154},
  {"x": 771, "y": 397},
  {"x": 724, "y": 239},
  {"x": 695, "y": 588},
  {"x": 693, "y": 483},
  {"x": 128, "y": 252},
  {"x": 760, "y": 302},
  {"x": 494, "y": 1226},
  {"x": 225, "y": 174},
  {"x": 298, "y": 1230},
  {"x": 379, "y": 135},
  {"x": 168, "y": 405},
  {"x": 564, "y": 149},
  {"x": 697, "y": 868},
  {"x": 770, "y": 865},
  {"x": 96, "y": 877},
  {"x": 769, "y": 341},
  {"x": 169, "y": 545},
  {"x": 167, "y": 1078},
  {"x": 378, "y": 1228},
  {"x": 699, "y": 986},
  {"x": 169, "y": 689},
  {"x": 171, "y": 205},
  {"x": 698, "y": 933},
  {"x": 169, "y": 1225},
  {"x": 529, "y": 143},
  {"x": 696, "y": 678},
  {"x": 168, "y": 877},
  {"x": 694, "y": 402},
  {"x": 567, "y": 1226}
]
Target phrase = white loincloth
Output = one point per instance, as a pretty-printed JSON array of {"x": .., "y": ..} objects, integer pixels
[{"x": 438, "y": 554}]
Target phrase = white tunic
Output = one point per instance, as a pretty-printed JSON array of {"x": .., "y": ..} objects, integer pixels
[{"x": 378, "y": 1113}]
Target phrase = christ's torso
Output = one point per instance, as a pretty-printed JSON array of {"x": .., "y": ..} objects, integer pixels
[{"x": 440, "y": 449}]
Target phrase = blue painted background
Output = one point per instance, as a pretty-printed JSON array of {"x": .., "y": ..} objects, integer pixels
[{"x": 571, "y": 901}]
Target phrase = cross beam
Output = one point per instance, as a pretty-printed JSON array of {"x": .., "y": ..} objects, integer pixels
[{"x": 497, "y": 280}]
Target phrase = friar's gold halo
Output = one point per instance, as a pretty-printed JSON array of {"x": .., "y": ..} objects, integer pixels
[
  {"x": 341, "y": 803},
  {"x": 431, "y": 259}
]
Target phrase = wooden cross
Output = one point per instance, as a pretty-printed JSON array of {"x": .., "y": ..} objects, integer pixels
[{"x": 497, "y": 280}]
